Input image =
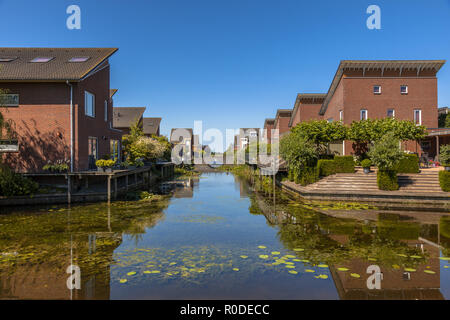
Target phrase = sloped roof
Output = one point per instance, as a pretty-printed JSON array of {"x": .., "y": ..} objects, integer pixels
[
  {"x": 284, "y": 113},
  {"x": 376, "y": 65},
  {"x": 151, "y": 125},
  {"x": 189, "y": 130},
  {"x": 269, "y": 121},
  {"x": 112, "y": 92},
  {"x": 124, "y": 117},
  {"x": 57, "y": 69}
]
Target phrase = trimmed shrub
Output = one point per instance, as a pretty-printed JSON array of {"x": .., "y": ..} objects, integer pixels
[
  {"x": 366, "y": 163},
  {"x": 387, "y": 180},
  {"x": 307, "y": 176},
  {"x": 408, "y": 164},
  {"x": 326, "y": 167},
  {"x": 444, "y": 180},
  {"x": 344, "y": 164}
]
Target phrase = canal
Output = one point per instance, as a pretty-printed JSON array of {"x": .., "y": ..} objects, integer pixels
[{"x": 217, "y": 238}]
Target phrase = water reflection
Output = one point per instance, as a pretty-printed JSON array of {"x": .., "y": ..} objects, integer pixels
[{"x": 219, "y": 237}]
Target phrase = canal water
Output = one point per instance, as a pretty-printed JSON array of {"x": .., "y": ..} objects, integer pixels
[{"x": 217, "y": 238}]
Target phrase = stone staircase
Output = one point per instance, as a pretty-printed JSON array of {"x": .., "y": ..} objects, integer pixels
[{"x": 361, "y": 182}]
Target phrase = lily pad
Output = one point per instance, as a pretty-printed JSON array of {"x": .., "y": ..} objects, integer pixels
[
  {"x": 244, "y": 257},
  {"x": 262, "y": 247},
  {"x": 132, "y": 273},
  {"x": 235, "y": 269},
  {"x": 322, "y": 276},
  {"x": 429, "y": 271},
  {"x": 445, "y": 258},
  {"x": 263, "y": 256},
  {"x": 299, "y": 249},
  {"x": 275, "y": 253},
  {"x": 309, "y": 270},
  {"x": 416, "y": 257},
  {"x": 410, "y": 269},
  {"x": 355, "y": 275},
  {"x": 290, "y": 267},
  {"x": 323, "y": 266},
  {"x": 343, "y": 269},
  {"x": 293, "y": 272},
  {"x": 123, "y": 280}
]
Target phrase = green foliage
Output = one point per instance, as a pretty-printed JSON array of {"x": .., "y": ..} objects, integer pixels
[
  {"x": 166, "y": 145},
  {"x": 58, "y": 166},
  {"x": 344, "y": 164},
  {"x": 7, "y": 126},
  {"x": 321, "y": 132},
  {"x": 409, "y": 164},
  {"x": 444, "y": 180},
  {"x": 444, "y": 120},
  {"x": 13, "y": 184},
  {"x": 306, "y": 175},
  {"x": 326, "y": 167},
  {"x": 385, "y": 153},
  {"x": 366, "y": 163},
  {"x": 444, "y": 155},
  {"x": 298, "y": 151},
  {"x": 105, "y": 163},
  {"x": 387, "y": 180}
]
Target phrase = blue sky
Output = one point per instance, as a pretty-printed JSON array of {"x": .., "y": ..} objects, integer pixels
[{"x": 231, "y": 63}]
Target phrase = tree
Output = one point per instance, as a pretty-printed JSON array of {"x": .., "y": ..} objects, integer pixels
[
  {"x": 6, "y": 125},
  {"x": 321, "y": 132},
  {"x": 298, "y": 151},
  {"x": 385, "y": 153}
]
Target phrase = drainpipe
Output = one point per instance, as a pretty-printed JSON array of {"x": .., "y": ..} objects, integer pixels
[{"x": 71, "y": 125}]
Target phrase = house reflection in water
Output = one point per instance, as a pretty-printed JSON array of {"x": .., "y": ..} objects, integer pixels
[
  {"x": 185, "y": 188},
  {"x": 332, "y": 236}
]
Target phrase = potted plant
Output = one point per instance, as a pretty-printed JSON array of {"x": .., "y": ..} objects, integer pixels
[
  {"x": 444, "y": 156},
  {"x": 366, "y": 163},
  {"x": 59, "y": 166},
  {"x": 105, "y": 165}
]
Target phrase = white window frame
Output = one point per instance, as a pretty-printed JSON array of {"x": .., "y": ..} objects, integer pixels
[
  {"x": 96, "y": 146},
  {"x": 341, "y": 115},
  {"x": 361, "y": 113},
  {"x": 88, "y": 95},
  {"x": 393, "y": 113},
  {"x": 420, "y": 117},
  {"x": 376, "y": 92},
  {"x": 106, "y": 111},
  {"x": 404, "y": 85}
]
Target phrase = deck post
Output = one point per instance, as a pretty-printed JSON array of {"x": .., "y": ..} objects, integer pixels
[
  {"x": 109, "y": 188},
  {"x": 437, "y": 148},
  {"x": 69, "y": 189},
  {"x": 115, "y": 188},
  {"x": 126, "y": 182}
]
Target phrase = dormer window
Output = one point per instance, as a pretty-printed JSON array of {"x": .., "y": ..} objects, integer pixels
[
  {"x": 79, "y": 59},
  {"x": 41, "y": 59},
  {"x": 7, "y": 59},
  {"x": 377, "y": 89}
]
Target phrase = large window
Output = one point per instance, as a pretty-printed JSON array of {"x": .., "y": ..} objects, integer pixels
[
  {"x": 93, "y": 147},
  {"x": 363, "y": 114},
  {"x": 89, "y": 104},
  {"x": 418, "y": 117},
  {"x": 115, "y": 149},
  {"x": 341, "y": 115}
]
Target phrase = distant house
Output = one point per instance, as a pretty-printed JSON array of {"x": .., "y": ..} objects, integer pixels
[
  {"x": 60, "y": 100},
  {"x": 268, "y": 127},
  {"x": 282, "y": 119},
  {"x": 246, "y": 135},
  {"x": 125, "y": 117},
  {"x": 183, "y": 137},
  {"x": 306, "y": 108},
  {"x": 151, "y": 126}
]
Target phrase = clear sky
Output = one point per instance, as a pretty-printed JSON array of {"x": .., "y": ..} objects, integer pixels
[{"x": 231, "y": 63}]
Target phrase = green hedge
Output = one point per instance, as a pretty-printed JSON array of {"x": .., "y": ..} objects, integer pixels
[
  {"x": 387, "y": 180},
  {"x": 409, "y": 164},
  {"x": 305, "y": 176},
  {"x": 340, "y": 164},
  {"x": 444, "y": 180}
]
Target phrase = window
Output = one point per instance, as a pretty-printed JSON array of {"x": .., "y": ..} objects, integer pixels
[
  {"x": 106, "y": 111},
  {"x": 93, "y": 150},
  {"x": 7, "y": 59},
  {"x": 377, "y": 89},
  {"x": 341, "y": 115},
  {"x": 363, "y": 114},
  {"x": 418, "y": 117},
  {"x": 89, "y": 104},
  {"x": 391, "y": 113},
  {"x": 404, "y": 89},
  {"x": 41, "y": 59},
  {"x": 115, "y": 149},
  {"x": 79, "y": 59},
  {"x": 330, "y": 119},
  {"x": 253, "y": 134}
]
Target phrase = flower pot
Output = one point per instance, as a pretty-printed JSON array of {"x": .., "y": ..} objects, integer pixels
[
  {"x": 366, "y": 170},
  {"x": 108, "y": 170},
  {"x": 99, "y": 169}
]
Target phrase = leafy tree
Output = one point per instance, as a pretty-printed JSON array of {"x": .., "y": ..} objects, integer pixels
[
  {"x": 385, "y": 153},
  {"x": 298, "y": 151},
  {"x": 444, "y": 155}
]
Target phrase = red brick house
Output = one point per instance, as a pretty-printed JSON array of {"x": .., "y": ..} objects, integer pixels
[
  {"x": 282, "y": 119},
  {"x": 306, "y": 108},
  {"x": 403, "y": 89},
  {"x": 61, "y": 102}
]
